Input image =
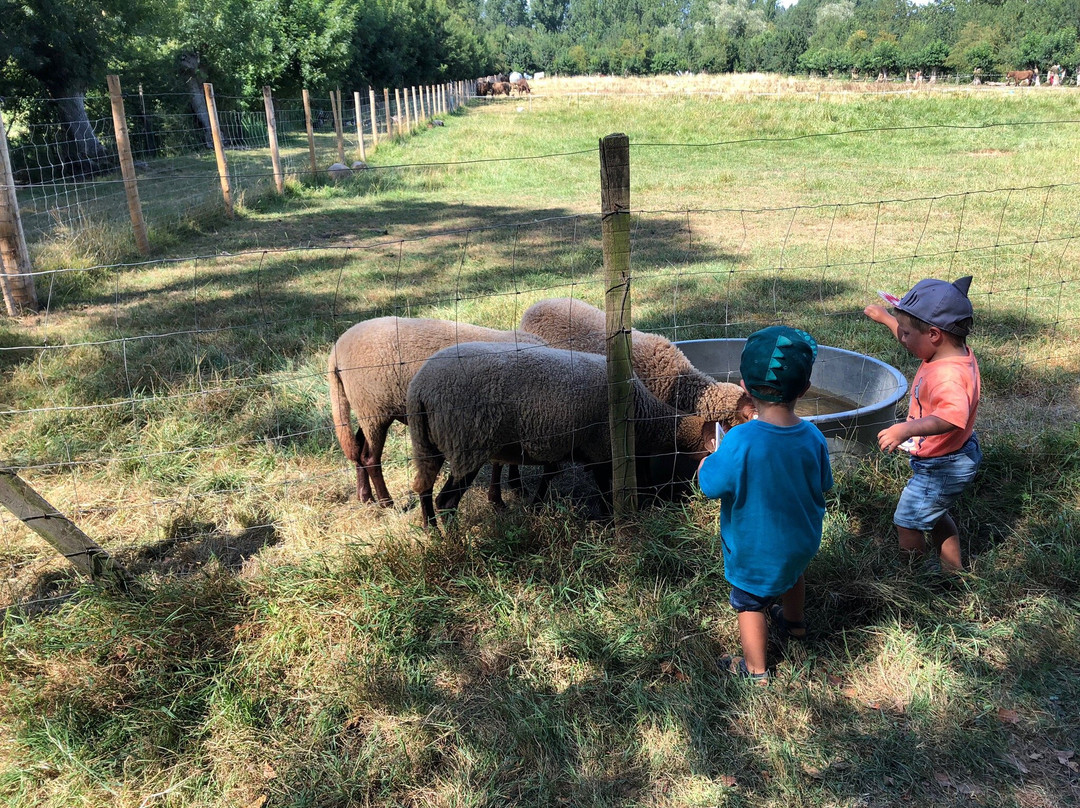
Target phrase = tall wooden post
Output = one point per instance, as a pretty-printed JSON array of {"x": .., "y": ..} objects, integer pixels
[
  {"x": 17, "y": 282},
  {"x": 397, "y": 107},
  {"x": 271, "y": 136},
  {"x": 310, "y": 133},
  {"x": 219, "y": 148},
  {"x": 615, "y": 232},
  {"x": 359, "y": 125},
  {"x": 408, "y": 118},
  {"x": 335, "y": 107},
  {"x": 418, "y": 99},
  {"x": 41, "y": 517},
  {"x": 127, "y": 165},
  {"x": 386, "y": 106},
  {"x": 374, "y": 118}
]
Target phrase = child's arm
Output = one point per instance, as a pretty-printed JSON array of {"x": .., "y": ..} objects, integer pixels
[
  {"x": 889, "y": 439},
  {"x": 880, "y": 315}
]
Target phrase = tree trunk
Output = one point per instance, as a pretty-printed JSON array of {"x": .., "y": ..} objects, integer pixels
[
  {"x": 189, "y": 62},
  {"x": 82, "y": 152}
]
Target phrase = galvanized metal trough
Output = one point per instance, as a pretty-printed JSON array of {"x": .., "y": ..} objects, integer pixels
[{"x": 871, "y": 387}]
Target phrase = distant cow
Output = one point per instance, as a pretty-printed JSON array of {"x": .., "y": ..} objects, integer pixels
[
  {"x": 522, "y": 86},
  {"x": 501, "y": 88},
  {"x": 1018, "y": 77},
  {"x": 483, "y": 87}
]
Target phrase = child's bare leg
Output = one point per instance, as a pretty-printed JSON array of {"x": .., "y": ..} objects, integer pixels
[
  {"x": 912, "y": 542},
  {"x": 754, "y": 635},
  {"x": 947, "y": 537},
  {"x": 792, "y": 602}
]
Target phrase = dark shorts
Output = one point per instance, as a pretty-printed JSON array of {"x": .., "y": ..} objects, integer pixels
[
  {"x": 936, "y": 483},
  {"x": 743, "y": 601}
]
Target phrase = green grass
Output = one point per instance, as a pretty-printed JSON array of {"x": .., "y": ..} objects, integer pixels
[{"x": 298, "y": 649}]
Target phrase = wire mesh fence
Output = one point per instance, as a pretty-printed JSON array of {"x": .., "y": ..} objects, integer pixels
[
  {"x": 187, "y": 398},
  {"x": 67, "y": 171}
]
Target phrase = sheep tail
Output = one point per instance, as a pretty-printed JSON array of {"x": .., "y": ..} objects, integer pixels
[{"x": 339, "y": 410}]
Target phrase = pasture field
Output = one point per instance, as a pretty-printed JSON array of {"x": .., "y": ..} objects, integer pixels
[{"x": 296, "y": 648}]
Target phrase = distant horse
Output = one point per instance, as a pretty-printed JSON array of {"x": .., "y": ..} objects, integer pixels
[{"x": 1018, "y": 77}]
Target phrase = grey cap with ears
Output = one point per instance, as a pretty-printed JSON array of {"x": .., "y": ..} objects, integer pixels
[{"x": 941, "y": 304}]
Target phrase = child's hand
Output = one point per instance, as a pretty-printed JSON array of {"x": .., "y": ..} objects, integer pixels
[
  {"x": 878, "y": 314},
  {"x": 889, "y": 439}
]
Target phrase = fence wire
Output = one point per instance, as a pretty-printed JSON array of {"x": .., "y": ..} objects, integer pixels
[{"x": 187, "y": 399}]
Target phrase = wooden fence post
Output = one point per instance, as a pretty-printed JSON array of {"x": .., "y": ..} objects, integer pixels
[
  {"x": 397, "y": 107},
  {"x": 310, "y": 133},
  {"x": 271, "y": 135},
  {"x": 408, "y": 117},
  {"x": 386, "y": 106},
  {"x": 17, "y": 280},
  {"x": 615, "y": 231},
  {"x": 127, "y": 165},
  {"x": 219, "y": 148},
  {"x": 359, "y": 124},
  {"x": 335, "y": 107},
  {"x": 374, "y": 119},
  {"x": 41, "y": 517}
]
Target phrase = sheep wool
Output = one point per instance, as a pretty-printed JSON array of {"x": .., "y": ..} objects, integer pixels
[
  {"x": 369, "y": 371},
  {"x": 477, "y": 402},
  {"x": 575, "y": 325}
]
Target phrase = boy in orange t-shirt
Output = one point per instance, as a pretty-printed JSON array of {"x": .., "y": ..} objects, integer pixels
[{"x": 932, "y": 321}]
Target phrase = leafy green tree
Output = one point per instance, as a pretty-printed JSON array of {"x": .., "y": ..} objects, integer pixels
[
  {"x": 550, "y": 15},
  {"x": 65, "y": 47}
]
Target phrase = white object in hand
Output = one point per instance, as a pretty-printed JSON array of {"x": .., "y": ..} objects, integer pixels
[{"x": 721, "y": 430}]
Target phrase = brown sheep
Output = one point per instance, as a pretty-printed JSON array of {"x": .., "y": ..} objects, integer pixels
[
  {"x": 573, "y": 324},
  {"x": 500, "y": 88},
  {"x": 522, "y": 87},
  {"x": 370, "y": 368}
]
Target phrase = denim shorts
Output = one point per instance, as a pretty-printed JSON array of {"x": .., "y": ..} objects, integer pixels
[
  {"x": 743, "y": 601},
  {"x": 936, "y": 483}
]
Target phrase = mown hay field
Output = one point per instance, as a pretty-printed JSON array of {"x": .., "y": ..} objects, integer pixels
[{"x": 298, "y": 648}]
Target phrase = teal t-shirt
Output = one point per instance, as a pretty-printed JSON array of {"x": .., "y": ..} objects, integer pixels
[{"x": 771, "y": 483}]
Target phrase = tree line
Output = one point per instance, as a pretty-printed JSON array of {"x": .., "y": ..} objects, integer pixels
[{"x": 61, "y": 49}]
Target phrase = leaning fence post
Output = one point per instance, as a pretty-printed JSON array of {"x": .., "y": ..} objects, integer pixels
[
  {"x": 335, "y": 106},
  {"x": 374, "y": 119},
  {"x": 310, "y": 133},
  {"x": 271, "y": 135},
  {"x": 17, "y": 278},
  {"x": 219, "y": 148},
  {"x": 37, "y": 514},
  {"x": 359, "y": 125},
  {"x": 615, "y": 231},
  {"x": 127, "y": 165}
]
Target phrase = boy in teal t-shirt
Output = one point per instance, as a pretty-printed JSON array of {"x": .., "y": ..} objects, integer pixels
[{"x": 770, "y": 475}]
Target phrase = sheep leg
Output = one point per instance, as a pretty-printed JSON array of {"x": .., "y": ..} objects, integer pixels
[
  {"x": 545, "y": 482},
  {"x": 495, "y": 488},
  {"x": 447, "y": 501},
  {"x": 427, "y": 509},
  {"x": 363, "y": 486},
  {"x": 513, "y": 477},
  {"x": 371, "y": 458}
]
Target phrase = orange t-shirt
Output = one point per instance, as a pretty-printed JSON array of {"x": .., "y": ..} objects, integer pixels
[{"x": 948, "y": 388}]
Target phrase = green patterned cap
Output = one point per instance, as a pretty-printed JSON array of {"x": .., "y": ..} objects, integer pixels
[{"x": 778, "y": 358}]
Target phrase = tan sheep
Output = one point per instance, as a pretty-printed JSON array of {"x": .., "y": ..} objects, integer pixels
[
  {"x": 575, "y": 325},
  {"x": 369, "y": 370},
  {"x": 478, "y": 402}
]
